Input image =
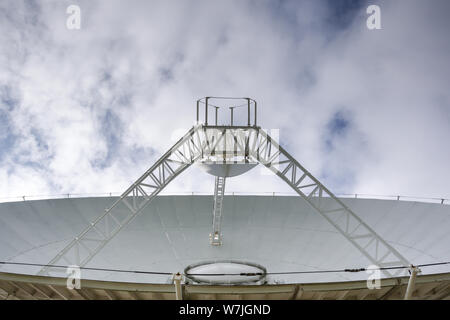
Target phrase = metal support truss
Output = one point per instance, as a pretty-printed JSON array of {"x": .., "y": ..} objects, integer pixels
[
  {"x": 89, "y": 242},
  {"x": 206, "y": 142},
  {"x": 268, "y": 152},
  {"x": 215, "y": 237}
]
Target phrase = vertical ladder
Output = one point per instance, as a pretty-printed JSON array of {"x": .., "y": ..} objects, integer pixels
[{"x": 215, "y": 237}]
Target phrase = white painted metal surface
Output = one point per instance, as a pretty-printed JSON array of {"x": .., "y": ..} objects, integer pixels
[
  {"x": 26, "y": 287},
  {"x": 226, "y": 169},
  {"x": 279, "y": 233}
]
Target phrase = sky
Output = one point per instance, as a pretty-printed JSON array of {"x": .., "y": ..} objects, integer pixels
[{"x": 89, "y": 110}]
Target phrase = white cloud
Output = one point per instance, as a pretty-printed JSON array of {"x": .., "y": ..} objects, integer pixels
[{"x": 145, "y": 63}]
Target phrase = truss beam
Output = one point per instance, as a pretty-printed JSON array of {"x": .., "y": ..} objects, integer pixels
[
  {"x": 89, "y": 242},
  {"x": 325, "y": 203}
]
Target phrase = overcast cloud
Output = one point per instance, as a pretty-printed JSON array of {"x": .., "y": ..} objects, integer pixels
[{"x": 89, "y": 110}]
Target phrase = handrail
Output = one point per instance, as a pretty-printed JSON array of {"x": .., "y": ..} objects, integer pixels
[
  {"x": 229, "y": 193},
  {"x": 249, "y": 102}
]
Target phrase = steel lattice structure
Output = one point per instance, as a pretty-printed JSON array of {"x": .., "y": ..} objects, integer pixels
[{"x": 229, "y": 144}]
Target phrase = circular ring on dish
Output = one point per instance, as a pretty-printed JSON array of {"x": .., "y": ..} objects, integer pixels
[{"x": 226, "y": 272}]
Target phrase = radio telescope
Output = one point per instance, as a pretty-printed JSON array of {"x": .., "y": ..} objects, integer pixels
[{"x": 310, "y": 245}]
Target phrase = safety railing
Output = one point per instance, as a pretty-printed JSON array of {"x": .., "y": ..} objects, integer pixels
[
  {"x": 227, "y": 111},
  {"x": 229, "y": 193}
]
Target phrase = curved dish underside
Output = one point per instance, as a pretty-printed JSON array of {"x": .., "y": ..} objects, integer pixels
[
  {"x": 279, "y": 233},
  {"x": 26, "y": 287}
]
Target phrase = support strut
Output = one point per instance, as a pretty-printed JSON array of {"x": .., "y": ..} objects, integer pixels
[{"x": 412, "y": 281}]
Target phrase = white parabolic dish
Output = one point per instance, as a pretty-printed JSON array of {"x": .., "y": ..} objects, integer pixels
[{"x": 280, "y": 233}]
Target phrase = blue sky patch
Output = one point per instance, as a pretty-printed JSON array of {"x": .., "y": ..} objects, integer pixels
[{"x": 111, "y": 128}]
